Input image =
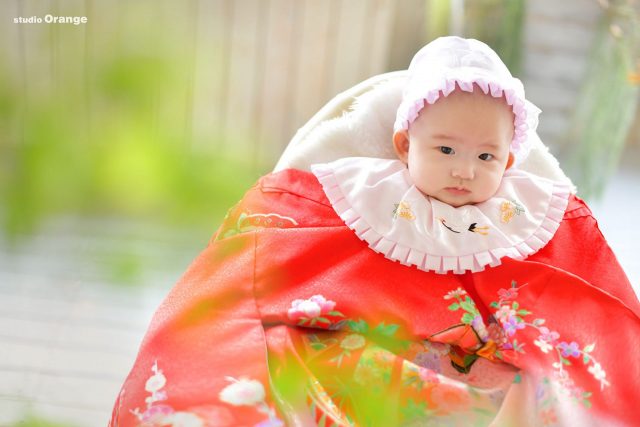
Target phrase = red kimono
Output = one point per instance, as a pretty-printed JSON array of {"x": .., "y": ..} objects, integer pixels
[{"x": 288, "y": 318}]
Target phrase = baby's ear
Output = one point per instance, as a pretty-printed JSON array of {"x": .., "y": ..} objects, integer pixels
[
  {"x": 510, "y": 161},
  {"x": 401, "y": 145}
]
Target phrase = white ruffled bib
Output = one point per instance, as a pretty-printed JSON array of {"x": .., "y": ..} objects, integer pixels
[{"x": 377, "y": 200}]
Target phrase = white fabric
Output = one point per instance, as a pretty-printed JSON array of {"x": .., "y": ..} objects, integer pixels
[
  {"x": 366, "y": 129},
  {"x": 447, "y": 62},
  {"x": 376, "y": 198}
]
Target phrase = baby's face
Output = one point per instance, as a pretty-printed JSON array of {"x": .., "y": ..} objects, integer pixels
[{"x": 458, "y": 148}]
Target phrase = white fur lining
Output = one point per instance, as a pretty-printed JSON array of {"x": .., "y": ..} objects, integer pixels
[{"x": 359, "y": 122}]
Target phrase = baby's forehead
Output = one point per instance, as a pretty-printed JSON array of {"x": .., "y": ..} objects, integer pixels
[{"x": 462, "y": 111}]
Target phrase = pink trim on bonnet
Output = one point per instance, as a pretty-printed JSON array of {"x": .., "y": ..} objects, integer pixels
[
  {"x": 446, "y": 62},
  {"x": 519, "y": 146}
]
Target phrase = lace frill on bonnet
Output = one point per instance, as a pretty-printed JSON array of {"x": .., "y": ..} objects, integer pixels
[{"x": 447, "y": 62}]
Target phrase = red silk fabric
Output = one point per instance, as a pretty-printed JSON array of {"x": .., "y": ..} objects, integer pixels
[{"x": 286, "y": 303}]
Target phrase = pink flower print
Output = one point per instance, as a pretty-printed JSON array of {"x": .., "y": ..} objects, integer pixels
[
  {"x": 155, "y": 413},
  {"x": 155, "y": 382},
  {"x": 242, "y": 392},
  {"x": 428, "y": 375},
  {"x": 246, "y": 392},
  {"x": 304, "y": 308},
  {"x": 455, "y": 293},
  {"x": 325, "y": 304},
  {"x": 478, "y": 325},
  {"x": 563, "y": 379},
  {"x": 504, "y": 313},
  {"x": 545, "y": 339},
  {"x": 315, "y": 306},
  {"x": 154, "y": 385},
  {"x": 508, "y": 294},
  {"x": 570, "y": 350},
  {"x": 576, "y": 392},
  {"x": 512, "y": 325},
  {"x": 559, "y": 374},
  {"x": 156, "y": 397},
  {"x": 548, "y": 336},
  {"x": 183, "y": 419}
]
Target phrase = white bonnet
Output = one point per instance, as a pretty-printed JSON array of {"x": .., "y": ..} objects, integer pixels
[{"x": 440, "y": 65}]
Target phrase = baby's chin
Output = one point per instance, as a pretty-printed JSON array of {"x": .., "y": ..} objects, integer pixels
[
  {"x": 454, "y": 204},
  {"x": 458, "y": 201}
]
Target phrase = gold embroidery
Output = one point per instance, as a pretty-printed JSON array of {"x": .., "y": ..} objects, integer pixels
[
  {"x": 508, "y": 209},
  {"x": 403, "y": 210}
]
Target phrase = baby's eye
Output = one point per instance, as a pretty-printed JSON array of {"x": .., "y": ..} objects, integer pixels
[
  {"x": 485, "y": 156},
  {"x": 447, "y": 150}
]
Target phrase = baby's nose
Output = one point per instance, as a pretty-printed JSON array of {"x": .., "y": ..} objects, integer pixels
[{"x": 463, "y": 170}]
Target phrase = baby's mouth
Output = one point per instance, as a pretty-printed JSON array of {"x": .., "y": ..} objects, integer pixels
[{"x": 458, "y": 191}]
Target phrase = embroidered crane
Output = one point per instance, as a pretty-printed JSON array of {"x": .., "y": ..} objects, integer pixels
[
  {"x": 442, "y": 220},
  {"x": 483, "y": 230},
  {"x": 480, "y": 230}
]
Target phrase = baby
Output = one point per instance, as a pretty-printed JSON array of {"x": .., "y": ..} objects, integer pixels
[
  {"x": 462, "y": 123},
  {"x": 458, "y": 148},
  {"x": 505, "y": 306}
]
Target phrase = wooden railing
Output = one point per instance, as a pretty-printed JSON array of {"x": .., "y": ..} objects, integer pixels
[{"x": 246, "y": 73}]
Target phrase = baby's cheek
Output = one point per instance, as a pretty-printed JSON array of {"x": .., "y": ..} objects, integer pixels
[
  {"x": 494, "y": 183},
  {"x": 420, "y": 178},
  {"x": 418, "y": 173}
]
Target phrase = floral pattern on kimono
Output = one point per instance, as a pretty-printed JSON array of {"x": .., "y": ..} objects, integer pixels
[
  {"x": 364, "y": 370},
  {"x": 323, "y": 325}
]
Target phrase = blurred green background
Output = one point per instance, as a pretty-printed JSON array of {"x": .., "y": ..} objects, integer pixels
[
  {"x": 106, "y": 131},
  {"x": 99, "y": 119},
  {"x": 102, "y": 119}
]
